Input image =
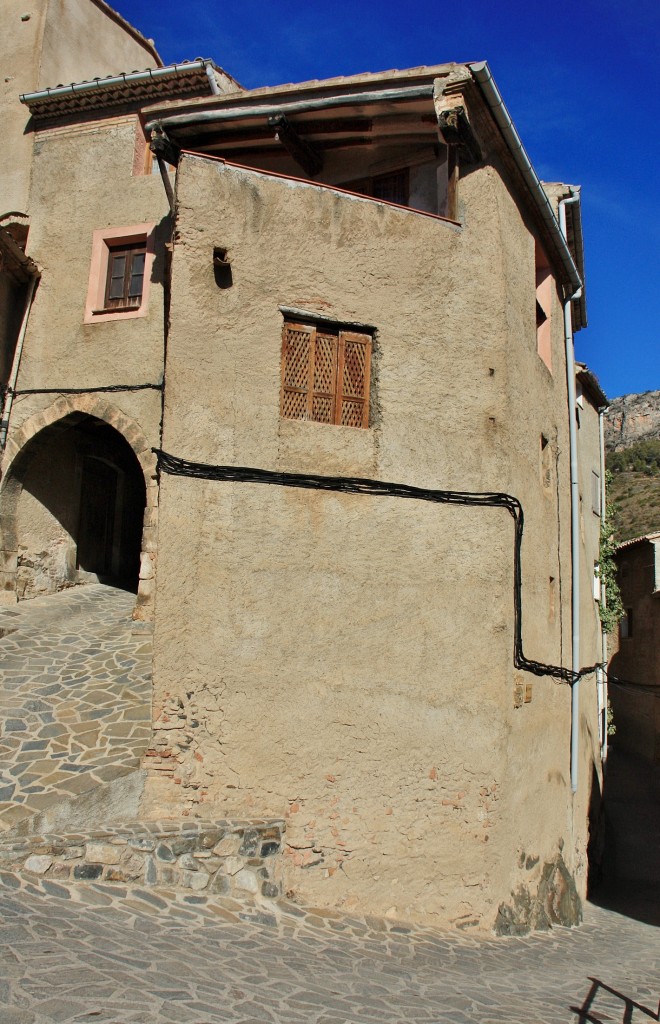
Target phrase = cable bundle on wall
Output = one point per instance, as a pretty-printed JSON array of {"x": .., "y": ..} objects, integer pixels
[{"x": 175, "y": 466}]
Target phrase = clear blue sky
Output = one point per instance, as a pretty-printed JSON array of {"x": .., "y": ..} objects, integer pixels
[{"x": 581, "y": 84}]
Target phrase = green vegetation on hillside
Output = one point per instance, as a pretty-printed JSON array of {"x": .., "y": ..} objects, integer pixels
[{"x": 635, "y": 489}]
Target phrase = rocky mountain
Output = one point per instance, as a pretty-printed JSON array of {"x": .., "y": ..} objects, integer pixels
[
  {"x": 632, "y": 440},
  {"x": 632, "y": 418}
]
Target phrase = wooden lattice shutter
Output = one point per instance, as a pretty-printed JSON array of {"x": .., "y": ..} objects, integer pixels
[
  {"x": 353, "y": 375},
  {"x": 297, "y": 340},
  {"x": 325, "y": 376}
]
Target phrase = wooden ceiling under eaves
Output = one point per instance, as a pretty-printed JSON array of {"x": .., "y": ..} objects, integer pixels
[{"x": 247, "y": 137}]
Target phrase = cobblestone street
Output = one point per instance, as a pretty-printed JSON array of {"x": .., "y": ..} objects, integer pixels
[
  {"x": 75, "y": 696},
  {"x": 94, "y": 953},
  {"x": 74, "y": 704}
]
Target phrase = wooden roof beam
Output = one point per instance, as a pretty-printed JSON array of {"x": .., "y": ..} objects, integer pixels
[{"x": 304, "y": 153}]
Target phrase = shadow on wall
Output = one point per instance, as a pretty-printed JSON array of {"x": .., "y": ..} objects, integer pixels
[{"x": 72, "y": 508}]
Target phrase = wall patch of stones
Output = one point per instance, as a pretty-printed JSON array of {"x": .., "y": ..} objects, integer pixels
[{"x": 221, "y": 857}]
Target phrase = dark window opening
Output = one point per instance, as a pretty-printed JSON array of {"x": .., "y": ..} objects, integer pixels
[
  {"x": 393, "y": 187},
  {"x": 125, "y": 279}
]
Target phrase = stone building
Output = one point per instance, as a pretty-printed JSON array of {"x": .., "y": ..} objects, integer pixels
[
  {"x": 635, "y": 648},
  {"x": 329, "y": 288}
]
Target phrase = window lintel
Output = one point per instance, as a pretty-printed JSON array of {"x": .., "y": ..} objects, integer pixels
[{"x": 323, "y": 320}]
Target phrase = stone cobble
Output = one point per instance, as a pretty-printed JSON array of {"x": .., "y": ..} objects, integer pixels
[
  {"x": 75, "y": 696},
  {"x": 96, "y": 953}
]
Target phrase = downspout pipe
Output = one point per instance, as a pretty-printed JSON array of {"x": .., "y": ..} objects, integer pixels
[
  {"x": 18, "y": 352},
  {"x": 213, "y": 82},
  {"x": 575, "y": 514},
  {"x": 603, "y": 593}
]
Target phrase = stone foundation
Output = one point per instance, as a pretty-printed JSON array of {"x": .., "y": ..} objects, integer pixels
[
  {"x": 224, "y": 857},
  {"x": 555, "y": 901}
]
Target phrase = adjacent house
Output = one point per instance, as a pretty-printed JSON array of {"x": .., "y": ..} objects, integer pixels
[
  {"x": 635, "y": 649},
  {"x": 298, "y": 377}
]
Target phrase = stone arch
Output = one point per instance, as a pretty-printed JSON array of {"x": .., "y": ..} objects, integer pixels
[{"x": 22, "y": 444}]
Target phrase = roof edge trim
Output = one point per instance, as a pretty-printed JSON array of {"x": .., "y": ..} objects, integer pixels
[{"x": 169, "y": 71}]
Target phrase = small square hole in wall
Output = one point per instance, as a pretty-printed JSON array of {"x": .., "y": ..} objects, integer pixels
[{"x": 222, "y": 267}]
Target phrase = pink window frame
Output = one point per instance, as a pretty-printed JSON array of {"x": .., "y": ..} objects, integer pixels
[{"x": 103, "y": 240}]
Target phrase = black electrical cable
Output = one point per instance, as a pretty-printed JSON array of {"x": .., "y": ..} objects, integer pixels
[
  {"x": 175, "y": 466},
  {"x": 85, "y": 391},
  {"x": 628, "y": 684}
]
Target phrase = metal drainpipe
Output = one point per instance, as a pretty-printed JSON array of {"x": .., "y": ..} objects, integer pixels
[
  {"x": 575, "y": 515},
  {"x": 9, "y": 397},
  {"x": 213, "y": 82},
  {"x": 602, "y": 687}
]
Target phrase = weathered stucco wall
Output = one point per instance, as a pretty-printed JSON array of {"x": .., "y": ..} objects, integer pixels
[
  {"x": 347, "y": 661},
  {"x": 83, "y": 181},
  {"x": 538, "y": 763},
  {"x": 82, "y": 38},
  {"x": 52, "y": 42}
]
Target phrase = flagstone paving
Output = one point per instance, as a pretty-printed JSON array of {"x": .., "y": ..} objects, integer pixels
[
  {"x": 75, "y": 690},
  {"x": 109, "y": 955},
  {"x": 74, "y": 708}
]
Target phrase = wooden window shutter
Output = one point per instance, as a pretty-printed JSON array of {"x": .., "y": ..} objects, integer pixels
[
  {"x": 297, "y": 342},
  {"x": 353, "y": 374},
  {"x": 325, "y": 375},
  {"x": 125, "y": 280}
]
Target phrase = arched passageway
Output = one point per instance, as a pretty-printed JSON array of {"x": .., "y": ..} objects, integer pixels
[{"x": 72, "y": 508}]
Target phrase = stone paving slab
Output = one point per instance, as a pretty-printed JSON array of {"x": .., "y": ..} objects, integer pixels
[
  {"x": 75, "y": 696},
  {"x": 91, "y": 953}
]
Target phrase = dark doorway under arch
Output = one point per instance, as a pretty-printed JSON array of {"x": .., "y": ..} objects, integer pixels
[{"x": 74, "y": 501}]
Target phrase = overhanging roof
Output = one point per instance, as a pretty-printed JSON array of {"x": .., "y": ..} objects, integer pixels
[
  {"x": 392, "y": 107},
  {"x": 13, "y": 260},
  {"x": 136, "y": 87},
  {"x": 647, "y": 538},
  {"x": 591, "y": 386}
]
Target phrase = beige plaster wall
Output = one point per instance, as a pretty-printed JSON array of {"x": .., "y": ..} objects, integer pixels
[
  {"x": 81, "y": 39},
  {"x": 61, "y": 41},
  {"x": 540, "y": 734},
  {"x": 347, "y": 661},
  {"x": 20, "y": 44},
  {"x": 83, "y": 181}
]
